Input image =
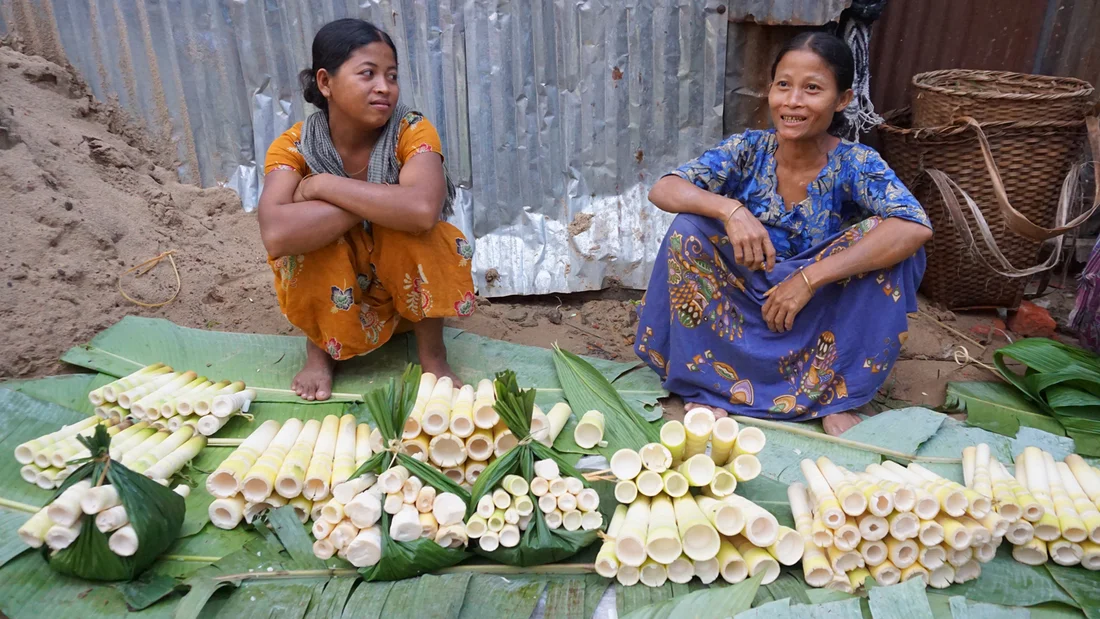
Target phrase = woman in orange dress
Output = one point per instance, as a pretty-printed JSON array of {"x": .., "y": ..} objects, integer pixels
[{"x": 351, "y": 211}]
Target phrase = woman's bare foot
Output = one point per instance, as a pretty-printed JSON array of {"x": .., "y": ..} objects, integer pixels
[
  {"x": 718, "y": 413},
  {"x": 440, "y": 368},
  {"x": 431, "y": 349},
  {"x": 839, "y": 423},
  {"x": 314, "y": 381}
]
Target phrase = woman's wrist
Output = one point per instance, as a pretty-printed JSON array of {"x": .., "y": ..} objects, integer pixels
[
  {"x": 815, "y": 276},
  {"x": 727, "y": 209},
  {"x": 314, "y": 185}
]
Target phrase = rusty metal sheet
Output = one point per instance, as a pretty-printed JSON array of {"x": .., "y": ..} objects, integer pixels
[
  {"x": 914, "y": 37},
  {"x": 750, "y": 50},
  {"x": 787, "y": 12},
  {"x": 1069, "y": 47}
]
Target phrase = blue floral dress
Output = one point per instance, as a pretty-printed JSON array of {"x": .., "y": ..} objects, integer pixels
[{"x": 701, "y": 327}]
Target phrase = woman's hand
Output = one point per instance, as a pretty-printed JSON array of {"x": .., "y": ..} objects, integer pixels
[
  {"x": 300, "y": 191},
  {"x": 752, "y": 247},
  {"x": 785, "y": 301}
]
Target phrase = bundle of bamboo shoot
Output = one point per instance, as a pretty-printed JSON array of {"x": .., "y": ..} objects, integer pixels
[
  {"x": 292, "y": 463},
  {"x": 891, "y": 523},
  {"x": 1053, "y": 508},
  {"x": 349, "y": 524},
  {"x": 60, "y": 523},
  {"x": 49, "y": 460},
  {"x": 46, "y": 459},
  {"x": 459, "y": 432},
  {"x": 679, "y": 517},
  {"x": 169, "y": 400},
  {"x": 503, "y": 514}
]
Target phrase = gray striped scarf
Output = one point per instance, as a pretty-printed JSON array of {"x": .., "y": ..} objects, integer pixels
[{"x": 320, "y": 154}]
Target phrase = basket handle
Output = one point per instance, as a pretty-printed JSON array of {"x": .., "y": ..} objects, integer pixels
[
  {"x": 948, "y": 189},
  {"x": 1015, "y": 220}
]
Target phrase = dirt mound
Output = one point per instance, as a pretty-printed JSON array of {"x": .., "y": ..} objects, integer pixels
[{"x": 85, "y": 197}]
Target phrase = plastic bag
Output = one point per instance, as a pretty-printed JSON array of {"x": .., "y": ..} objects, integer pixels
[
  {"x": 388, "y": 408},
  {"x": 155, "y": 512},
  {"x": 539, "y": 544}
]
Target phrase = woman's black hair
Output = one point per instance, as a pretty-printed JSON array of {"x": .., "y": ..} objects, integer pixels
[
  {"x": 332, "y": 46},
  {"x": 835, "y": 52}
]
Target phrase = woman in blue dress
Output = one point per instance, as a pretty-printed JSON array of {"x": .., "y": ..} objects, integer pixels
[{"x": 782, "y": 287}]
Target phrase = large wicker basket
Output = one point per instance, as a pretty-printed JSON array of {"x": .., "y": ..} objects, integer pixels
[
  {"x": 994, "y": 193},
  {"x": 943, "y": 97}
]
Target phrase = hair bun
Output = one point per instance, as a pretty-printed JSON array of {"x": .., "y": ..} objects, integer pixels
[{"x": 310, "y": 91}]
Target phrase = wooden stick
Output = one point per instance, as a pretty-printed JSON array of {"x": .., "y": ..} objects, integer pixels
[
  {"x": 19, "y": 507},
  {"x": 556, "y": 568},
  {"x": 224, "y": 442},
  {"x": 287, "y": 574},
  {"x": 191, "y": 558},
  {"x": 563, "y": 568},
  {"x": 336, "y": 396},
  {"x": 952, "y": 330},
  {"x": 882, "y": 451}
]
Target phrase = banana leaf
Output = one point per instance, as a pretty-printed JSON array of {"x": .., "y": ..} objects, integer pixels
[
  {"x": 1082, "y": 585},
  {"x": 1006, "y": 581},
  {"x": 958, "y": 607},
  {"x": 906, "y": 600},
  {"x": 1065, "y": 383},
  {"x": 503, "y": 597},
  {"x": 539, "y": 544},
  {"x": 10, "y": 544},
  {"x": 69, "y": 390},
  {"x": 586, "y": 389},
  {"x": 155, "y": 512},
  {"x": 388, "y": 407},
  {"x": 719, "y": 601},
  {"x": 998, "y": 407},
  {"x": 23, "y": 418}
]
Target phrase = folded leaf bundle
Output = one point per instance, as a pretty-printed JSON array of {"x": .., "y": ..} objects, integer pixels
[
  {"x": 151, "y": 517},
  {"x": 398, "y": 546},
  {"x": 563, "y": 516}
]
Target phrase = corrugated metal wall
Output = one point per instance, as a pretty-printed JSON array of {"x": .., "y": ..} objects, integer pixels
[
  {"x": 1027, "y": 36},
  {"x": 556, "y": 116},
  {"x": 750, "y": 49},
  {"x": 1069, "y": 46},
  {"x": 787, "y": 12},
  {"x": 575, "y": 110}
]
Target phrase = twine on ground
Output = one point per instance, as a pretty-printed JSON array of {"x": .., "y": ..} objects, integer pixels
[{"x": 143, "y": 269}]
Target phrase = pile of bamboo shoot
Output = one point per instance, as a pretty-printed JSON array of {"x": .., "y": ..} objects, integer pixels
[
  {"x": 891, "y": 523},
  {"x": 349, "y": 524},
  {"x": 158, "y": 454},
  {"x": 60, "y": 523},
  {"x": 1053, "y": 507},
  {"x": 679, "y": 517},
  {"x": 503, "y": 514},
  {"x": 459, "y": 432},
  {"x": 294, "y": 463},
  {"x": 169, "y": 400}
]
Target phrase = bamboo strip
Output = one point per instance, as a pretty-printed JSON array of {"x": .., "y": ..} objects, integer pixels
[{"x": 820, "y": 436}]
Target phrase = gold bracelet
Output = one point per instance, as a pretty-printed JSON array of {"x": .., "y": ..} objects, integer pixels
[
  {"x": 303, "y": 184},
  {"x": 806, "y": 279},
  {"x": 732, "y": 213}
]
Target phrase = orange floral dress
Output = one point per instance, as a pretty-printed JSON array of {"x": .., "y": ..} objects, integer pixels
[{"x": 352, "y": 295}]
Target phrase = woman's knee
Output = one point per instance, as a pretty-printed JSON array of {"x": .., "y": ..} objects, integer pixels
[
  {"x": 689, "y": 223},
  {"x": 443, "y": 239}
]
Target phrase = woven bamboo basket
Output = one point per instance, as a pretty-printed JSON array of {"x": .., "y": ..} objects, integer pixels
[
  {"x": 943, "y": 97},
  {"x": 986, "y": 246}
]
